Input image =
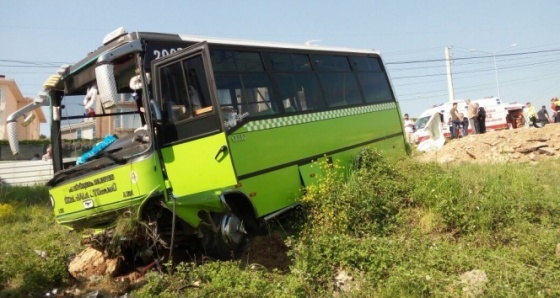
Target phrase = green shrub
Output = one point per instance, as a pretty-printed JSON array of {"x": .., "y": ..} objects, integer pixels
[{"x": 363, "y": 204}]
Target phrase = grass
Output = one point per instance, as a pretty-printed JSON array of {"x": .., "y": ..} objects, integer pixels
[
  {"x": 34, "y": 251},
  {"x": 391, "y": 229}
]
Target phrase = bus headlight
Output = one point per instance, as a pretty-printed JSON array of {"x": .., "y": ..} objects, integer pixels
[{"x": 52, "y": 200}]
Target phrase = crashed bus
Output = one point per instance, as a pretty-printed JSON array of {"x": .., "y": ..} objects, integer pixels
[{"x": 204, "y": 138}]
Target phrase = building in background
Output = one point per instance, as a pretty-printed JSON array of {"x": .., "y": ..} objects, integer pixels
[
  {"x": 99, "y": 127},
  {"x": 12, "y": 100}
]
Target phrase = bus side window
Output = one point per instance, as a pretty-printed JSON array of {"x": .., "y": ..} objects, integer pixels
[
  {"x": 338, "y": 81},
  {"x": 374, "y": 82},
  {"x": 182, "y": 90},
  {"x": 300, "y": 92},
  {"x": 297, "y": 83},
  {"x": 199, "y": 101},
  {"x": 244, "y": 88},
  {"x": 173, "y": 93},
  {"x": 256, "y": 97}
]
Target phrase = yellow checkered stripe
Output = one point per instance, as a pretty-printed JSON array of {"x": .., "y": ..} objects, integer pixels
[{"x": 313, "y": 117}]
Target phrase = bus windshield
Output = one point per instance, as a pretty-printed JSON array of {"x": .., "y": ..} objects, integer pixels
[{"x": 86, "y": 117}]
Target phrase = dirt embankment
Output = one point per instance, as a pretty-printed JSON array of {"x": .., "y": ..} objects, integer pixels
[{"x": 511, "y": 145}]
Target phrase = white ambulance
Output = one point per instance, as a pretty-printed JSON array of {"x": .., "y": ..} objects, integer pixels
[{"x": 496, "y": 116}]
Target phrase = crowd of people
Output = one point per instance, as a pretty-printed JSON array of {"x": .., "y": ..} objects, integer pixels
[
  {"x": 459, "y": 123},
  {"x": 476, "y": 119},
  {"x": 538, "y": 118}
]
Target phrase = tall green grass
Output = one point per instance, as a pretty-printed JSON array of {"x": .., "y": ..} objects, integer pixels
[
  {"x": 395, "y": 228},
  {"x": 34, "y": 251}
]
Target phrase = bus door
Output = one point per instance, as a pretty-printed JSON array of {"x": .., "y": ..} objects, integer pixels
[{"x": 191, "y": 137}]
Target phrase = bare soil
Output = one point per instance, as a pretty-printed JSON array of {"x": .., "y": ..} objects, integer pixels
[
  {"x": 522, "y": 145},
  {"x": 268, "y": 251},
  {"x": 94, "y": 273}
]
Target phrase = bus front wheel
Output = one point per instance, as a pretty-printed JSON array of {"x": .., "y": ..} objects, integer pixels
[{"x": 226, "y": 238}]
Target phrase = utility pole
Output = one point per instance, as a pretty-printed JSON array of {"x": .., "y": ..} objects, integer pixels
[{"x": 449, "y": 77}]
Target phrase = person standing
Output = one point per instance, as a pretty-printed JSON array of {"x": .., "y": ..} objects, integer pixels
[
  {"x": 48, "y": 154},
  {"x": 543, "y": 116},
  {"x": 555, "y": 110},
  {"x": 481, "y": 117},
  {"x": 464, "y": 124},
  {"x": 532, "y": 114},
  {"x": 409, "y": 128},
  {"x": 471, "y": 114},
  {"x": 455, "y": 121}
]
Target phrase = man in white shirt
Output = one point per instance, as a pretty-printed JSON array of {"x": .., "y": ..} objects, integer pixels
[
  {"x": 471, "y": 114},
  {"x": 409, "y": 129}
]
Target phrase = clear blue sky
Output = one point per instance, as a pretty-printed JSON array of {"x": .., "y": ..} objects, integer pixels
[{"x": 38, "y": 36}]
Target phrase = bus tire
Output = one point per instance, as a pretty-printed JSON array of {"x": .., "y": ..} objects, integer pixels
[{"x": 227, "y": 240}]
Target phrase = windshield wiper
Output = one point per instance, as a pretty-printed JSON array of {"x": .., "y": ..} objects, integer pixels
[{"x": 117, "y": 160}]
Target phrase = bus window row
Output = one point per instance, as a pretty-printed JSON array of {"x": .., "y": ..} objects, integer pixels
[{"x": 254, "y": 84}]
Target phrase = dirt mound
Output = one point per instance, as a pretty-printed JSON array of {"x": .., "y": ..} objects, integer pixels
[
  {"x": 268, "y": 251},
  {"x": 503, "y": 146}
]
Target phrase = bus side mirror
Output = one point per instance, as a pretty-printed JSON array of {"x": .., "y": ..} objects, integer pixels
[
  {"x": 156, "y": 112},
  {"x": 12, "y": 137},
  {"x": 106, "y": 84},
  {"x": 28, "y": 120}
]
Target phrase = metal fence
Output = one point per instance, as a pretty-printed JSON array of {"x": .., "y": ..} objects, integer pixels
[{"x": 25, "y": 173}]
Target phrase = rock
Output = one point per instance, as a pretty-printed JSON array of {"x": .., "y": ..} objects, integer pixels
[
  {"x": 346, "y": 284},
  {"x": 546, "y": 151},
  {"x": 43, "y": 254},
  {"x": 342, "y": 280},
  {"x": 91, "y": 262},
  {"x": 474, "y": 282},
  {"x": 538, "y": 139},
  {"x": 531, "y": 148}
]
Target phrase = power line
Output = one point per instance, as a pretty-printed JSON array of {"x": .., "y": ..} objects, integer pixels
[
  {"x": 473, "y": 57},
  {"x": 477, "y": 70}
]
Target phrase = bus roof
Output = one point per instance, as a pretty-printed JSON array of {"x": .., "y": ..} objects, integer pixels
[
  {"x": 266, "y": 44},
  {"x": 240, "y": 42},
  {"x": 169, "y": 37}
]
